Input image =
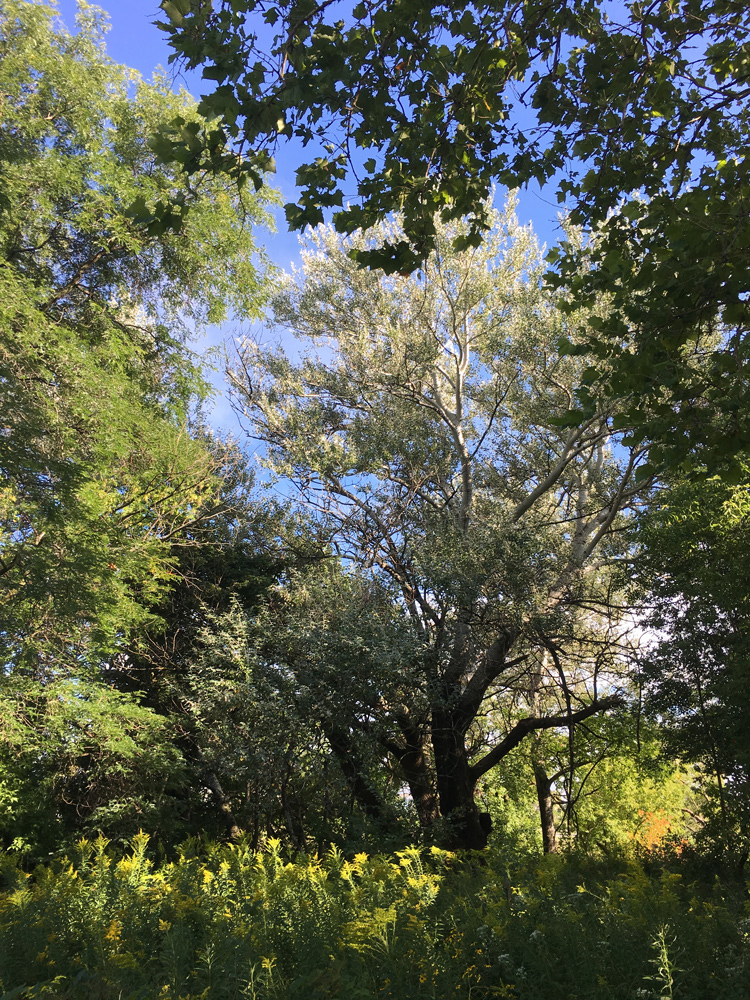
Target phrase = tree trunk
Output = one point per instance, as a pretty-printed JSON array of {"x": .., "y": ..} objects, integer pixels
[
  {"x": 412, "y": 754},
  {"x": 467, "y": 829},
  {"x": 352, "y": 766},
  {"x": 422, "y": 791},
  {"x": 541, "y": 779},
  {"x": 222, "y": 802},
  {"x": 546, "y": 810}
]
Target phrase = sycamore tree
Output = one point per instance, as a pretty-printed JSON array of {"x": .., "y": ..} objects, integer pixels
[
  {"x": 635, "y": 113},
  {"x": 423, "y": 431}
]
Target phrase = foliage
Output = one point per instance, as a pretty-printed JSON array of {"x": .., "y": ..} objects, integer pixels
[
  {"x": 422, "y": 433},
  {"x": 76, "y": 755},
  {"x": 228, "y": 923},
  {"x": 107, "y": 480},
  {"x": 126, "y": 743},
  {"x": 257, "y": 731},
  {"x": 696, "y": 568},
  {"x": 335, "y": 642},
  {"x": 437, "y": 623},
  {"x": 613, "y": 792},
  {"x": 637, "y": 113},
  {"x": 99, "y": 469}
]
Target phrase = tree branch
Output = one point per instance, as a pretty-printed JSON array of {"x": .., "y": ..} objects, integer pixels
[{"x": 530, "y": 725}]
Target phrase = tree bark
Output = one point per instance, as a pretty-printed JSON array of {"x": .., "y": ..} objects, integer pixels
[
  {"x": 412, "y": 753},
  {"x": 456, "y": 786},
  {"x": 546, "y": 811},
  {"x": 354, "y": 772},
  {"x": 541, "y": 778},
  {"x": 457, "y": 778},
  {"x": 421, "y": 789}
]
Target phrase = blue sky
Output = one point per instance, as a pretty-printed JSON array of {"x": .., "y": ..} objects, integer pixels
[{"x": 135, "y": 41}]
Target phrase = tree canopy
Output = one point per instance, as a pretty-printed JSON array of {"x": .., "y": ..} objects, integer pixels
[
  {"x": 438, "y": 618},
  {"x": 100, "y": 470},
  {"x": 108, "y": 481},
  {"x": 695, "y": 569},
  {"x": 636, "y": 113}
]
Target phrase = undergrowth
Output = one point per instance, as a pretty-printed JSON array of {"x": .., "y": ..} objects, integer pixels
[{"x": 225, "y": 923}]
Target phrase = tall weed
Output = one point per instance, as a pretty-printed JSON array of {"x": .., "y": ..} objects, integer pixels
[{"x": 227, "y": 923}]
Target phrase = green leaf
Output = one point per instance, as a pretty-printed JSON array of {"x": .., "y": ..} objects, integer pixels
[{"x": 172, "y": 9}]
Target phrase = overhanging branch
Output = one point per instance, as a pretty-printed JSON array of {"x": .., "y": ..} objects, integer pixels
[{"x": 530, "y": 725}]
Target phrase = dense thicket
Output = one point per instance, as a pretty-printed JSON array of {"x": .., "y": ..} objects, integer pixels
[
  {"x": 107, "y": 490},
  {"x": 421, "y": 643},
  {"x": 696, "y": 562}
]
